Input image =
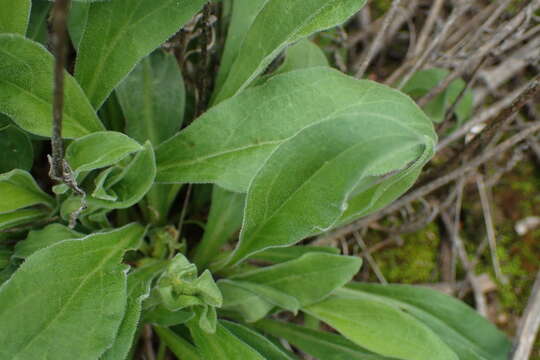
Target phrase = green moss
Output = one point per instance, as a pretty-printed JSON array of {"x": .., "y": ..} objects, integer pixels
[{"x": 415, "y": 261}]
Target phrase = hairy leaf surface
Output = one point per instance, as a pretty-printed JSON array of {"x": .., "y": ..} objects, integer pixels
[
  {"x": 71, "y": 298},
  {"x": 26, "y": 91},
  {"x": 18, "y": 189},
  {"x": 470, "y": 335},
  {"x": 379, "y": 327}
]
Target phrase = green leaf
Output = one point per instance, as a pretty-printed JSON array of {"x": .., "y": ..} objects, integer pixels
[
  {"x": 21, "y": 217},
  {"x": 16, "y": 150},
  {"x": 19, "y": 190},
  {"x": 242, "y": 16},
  {"x": 131, "y": 183},
  {"x": 329, "y": 159},
  {"x": 279, "y": 255},
  {"x": 71, "y": 314},
  {"x": 423, "y": 81},
  {"x": 99, "y": 150},
  {"x": 37, "y": 27},
  {"x": 379, "y": 327},
  {"x": 40, "y": 239},
  {"x": 14, "y": 16},
  {"x": 279, "y": 24},
  {"x": 177, "y": 344},
  {"x": 26, "y": 91},
  {"x": 261, "y": 118},
  {"x": 320, "y": 344},
  {"x": 153, "y": 98},
  {"x": 470, "y": 335},
  {"x": 120, "y": 33},
  {"x": 237, "y": 299},
  {"x": 309, "y": 278},
  {"x": 222, "y": 345},
  {"x": 265, "y": 347},
  {"x": 224, "y": 220},
  {"x": 138, "y": 288},
  {"x": 304, "y": 54}
]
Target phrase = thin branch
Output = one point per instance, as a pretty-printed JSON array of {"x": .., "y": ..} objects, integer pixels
[
  {"x": 59, "y": 168},
  {"x": 377, "y": 42},
  {"x": 528, "y": 327},
  {"x": 60, "y": 14},
  {"x": 490, "y": 228},
  {"x": 371, "y": 261}
]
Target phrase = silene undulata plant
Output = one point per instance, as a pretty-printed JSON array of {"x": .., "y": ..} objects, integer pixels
[{"x": 278, "y": 156}]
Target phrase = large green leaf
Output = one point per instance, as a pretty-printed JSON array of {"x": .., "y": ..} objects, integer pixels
[
  {"x": 74, "y": 313},
  {"x": 19, "y": 190},
  {"x": 257, "y": 121},
  {"x": 16, "y": 150},
  {"x": 329, "y": 159},
  {"x": 279, "y": 24},
  {"x": 470, "y": 335},
  {"x": 26, "y": 90},
  {"x": 138, "y": 288},
  {"x": 265, "y": 347},
  {"x": 320, "y": 344},
  {"x": 40, "y": 239},
  {"x": 379, "y": 327},
  {"x": 120, "y": 33},
  {"x": 152, "y": 97},
  {"x": 14, "y": 16},
  {"x": 309, "y": 278},
  {"x": 222, "y": 345}
]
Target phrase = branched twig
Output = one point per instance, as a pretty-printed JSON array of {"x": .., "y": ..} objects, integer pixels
[
  {"x": 377, "y": 42},
  {"x": 59, "y": 168}
]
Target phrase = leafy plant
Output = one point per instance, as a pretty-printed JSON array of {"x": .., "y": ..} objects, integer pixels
[{"x": 290, "y": 154}]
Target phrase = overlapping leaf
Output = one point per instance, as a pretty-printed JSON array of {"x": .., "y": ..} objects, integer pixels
[
  {"x": 71, "y": 298},
  {"x": 229, "y": 143},
  {"x": 26, "y": 91},
  {"x": 279, "y": 24},
  {"x": 16, "y": 150},
  {"x": 120, "y": 33},
  {"x": 467, "y": 333},
  {"x": 379, "y": 327}
]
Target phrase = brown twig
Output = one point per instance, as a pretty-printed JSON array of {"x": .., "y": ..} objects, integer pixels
[
  {"x": 60, "y": 170},
  {"x": 529, "y": 324},
  {"x": 377, "y": 42}
]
